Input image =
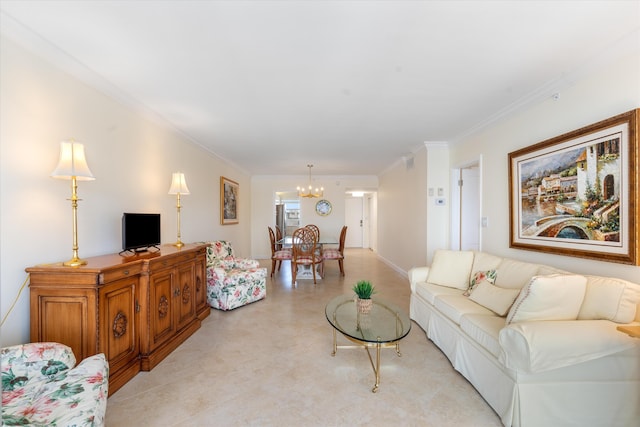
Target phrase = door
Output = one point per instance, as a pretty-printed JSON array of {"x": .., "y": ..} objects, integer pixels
[
  {"x": 354, "y": 221},
  {"x": 470, "y": 208},
  {"x": 185, "y": 295},
  {"x": 200, "y": 275},
  {"x": 161, "y": 307},
  {"x": 118, "y": 319}
]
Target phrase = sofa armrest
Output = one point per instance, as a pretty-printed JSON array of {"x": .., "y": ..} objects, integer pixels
[
  {"x": 417, "y": 274},
  {"x": 34, "y": 360},
  {"x": 532, "y": 347},
  {"x": 74, "y": 397}
]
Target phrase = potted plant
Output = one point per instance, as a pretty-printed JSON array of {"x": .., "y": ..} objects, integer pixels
[{"x": 364, "y": 289}]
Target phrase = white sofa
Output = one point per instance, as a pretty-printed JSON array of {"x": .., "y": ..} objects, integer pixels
[{"x": 539, "y": 344}]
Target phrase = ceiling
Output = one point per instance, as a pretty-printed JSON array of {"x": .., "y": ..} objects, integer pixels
[{"x": 349, "y": 86}]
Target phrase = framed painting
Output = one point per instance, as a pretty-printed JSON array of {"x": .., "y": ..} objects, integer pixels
[
  {"x": 229, "y": 197},
  {"x": 577, "y": 194}
]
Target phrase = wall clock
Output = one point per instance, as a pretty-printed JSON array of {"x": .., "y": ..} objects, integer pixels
[{"x": 323, "y": 207}]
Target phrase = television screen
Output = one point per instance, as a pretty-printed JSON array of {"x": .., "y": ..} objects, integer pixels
[{"x": 140, "y": 231}]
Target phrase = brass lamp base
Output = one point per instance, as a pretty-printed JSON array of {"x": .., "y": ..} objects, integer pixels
[
  {"x": 178, "y": 244},
  {"x": 74, "y": 262}
]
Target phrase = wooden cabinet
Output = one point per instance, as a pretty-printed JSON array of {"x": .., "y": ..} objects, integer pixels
[
  {"x": 136, "y": 310},
  {"x": 118, "y": 330},
  {"x": 202, "y": 306}
]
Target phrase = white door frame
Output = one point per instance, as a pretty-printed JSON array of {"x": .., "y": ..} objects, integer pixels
[{"x": 456, "y": 204}]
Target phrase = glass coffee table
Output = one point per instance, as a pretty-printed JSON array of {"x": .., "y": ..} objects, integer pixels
[{"x": 383, "y": 327}]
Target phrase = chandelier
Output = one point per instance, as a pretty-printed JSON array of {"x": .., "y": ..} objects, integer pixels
[{"x": 309, "y": 192}]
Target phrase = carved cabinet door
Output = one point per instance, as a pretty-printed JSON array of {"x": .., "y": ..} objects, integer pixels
[
  {"x": 161, "y": 307},
  {"x": 201, "y": 285},
  {"x": 119, "y": 339},
  {"x": 185, "y": 295}
]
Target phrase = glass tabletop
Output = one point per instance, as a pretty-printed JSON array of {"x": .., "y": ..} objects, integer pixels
[
  {"x": 324, "y": 240},
  {"x": 385, "y": 322}
]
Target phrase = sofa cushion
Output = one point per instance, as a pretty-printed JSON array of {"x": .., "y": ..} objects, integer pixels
[
  {"x": 484, "y": 330},
  {"x": 455, "y": 306},
  {"x": 515, "y": 274},
  {"x": 497, "y": 299},
  {"x": 532, "y": 347},
  {"x": 480, "y": 276},
  {"x": 451, "y": 268},
  {"x": 545, "y": 270},
  {"x": 555, "y": 297},
  {"x": 484, "y": 261},
  {"x": 429, "y": 291},
  {"x": 611, "y": 299}
]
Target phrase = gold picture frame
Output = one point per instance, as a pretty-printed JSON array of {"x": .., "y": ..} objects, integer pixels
[
  {"x": 229, "y": 198},
  {"x": 577, "y": 194}
]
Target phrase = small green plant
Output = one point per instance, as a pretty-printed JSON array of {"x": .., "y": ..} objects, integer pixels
[{"x": 364, "y": 289}]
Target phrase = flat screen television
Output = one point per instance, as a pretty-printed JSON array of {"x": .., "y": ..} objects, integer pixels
[{"x": 140, "y": 231}]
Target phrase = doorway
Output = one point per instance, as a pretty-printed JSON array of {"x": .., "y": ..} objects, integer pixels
[
  {"x": 466, "y": 207},
  {"x": 354, "y": 220},
  {"x": 287, "y": 212}
]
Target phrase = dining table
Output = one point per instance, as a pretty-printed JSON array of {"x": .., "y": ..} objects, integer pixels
[{"x": 305, "y": 271}]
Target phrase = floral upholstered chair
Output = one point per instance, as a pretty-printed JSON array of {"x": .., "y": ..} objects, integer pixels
[
  {"x": 41, "y": 385},
  {"x": 232, "y": 282}
]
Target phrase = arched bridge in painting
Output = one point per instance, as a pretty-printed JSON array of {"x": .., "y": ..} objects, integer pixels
[{"x": 550, "y": 226}]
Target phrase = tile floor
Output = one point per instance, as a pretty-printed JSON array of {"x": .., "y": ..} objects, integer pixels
[{"x": 270, "y": 364}]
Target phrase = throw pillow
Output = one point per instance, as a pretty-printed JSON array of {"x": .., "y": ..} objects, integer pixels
[
  {"x": 498, "y": 300},
  {"x": 611, "y": 299},
  {"x": 479, "y": 276},
  {"x": 554, "y": 297},
  {"x": 451, "y": 268},
  {"x": 515, "y": 274}
]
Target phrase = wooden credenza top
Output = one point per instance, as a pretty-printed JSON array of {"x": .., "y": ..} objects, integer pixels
[{"x": 103, "y": 263}]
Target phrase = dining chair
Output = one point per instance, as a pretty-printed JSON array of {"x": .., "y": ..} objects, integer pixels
[
  {"x": 329, "y": 254},
  {"x": 277, "y": 256},
  {"x": 305, "y": 252},
  {"x": 316, "y": 230},
  {"x": 279, "y": 242}
]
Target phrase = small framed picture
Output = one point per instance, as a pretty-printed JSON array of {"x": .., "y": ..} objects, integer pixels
[{"x": 229, "y": 197}]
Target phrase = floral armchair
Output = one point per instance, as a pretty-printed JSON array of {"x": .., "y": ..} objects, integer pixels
[
  {"x": 42, "y": 386},
  {"x": 232, "y": 282}
]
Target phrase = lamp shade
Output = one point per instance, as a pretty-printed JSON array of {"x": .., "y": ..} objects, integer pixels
[
  {"x": 72, "y": 162},
  {"x": 178, "y": 184}
]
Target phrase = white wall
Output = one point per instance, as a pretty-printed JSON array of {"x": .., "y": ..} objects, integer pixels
[
  {"x": 131, "y": 157},
  {"x": 437, "y": 214},
  {"x": 263, "y": 189},
  {"x": 612, "y": 90},
  {"x": 402, "y": 213}
]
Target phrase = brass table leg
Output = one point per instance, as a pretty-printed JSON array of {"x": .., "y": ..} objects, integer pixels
[
  {"x": 375, "y": 366},
  {"x": 335, "y": 342},
  {"x": 398, "y": 328},
  {"x": 375, "y": 387},
  {"x": 366, "y": 345}
]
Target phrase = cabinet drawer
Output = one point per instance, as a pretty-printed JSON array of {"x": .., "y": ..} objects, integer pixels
[
  {"x": 171, "y": 261},
  {"x": 120, "y": 272}
]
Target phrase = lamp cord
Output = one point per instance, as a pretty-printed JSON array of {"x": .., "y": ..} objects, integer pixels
[{"x": 15, "y": 300}]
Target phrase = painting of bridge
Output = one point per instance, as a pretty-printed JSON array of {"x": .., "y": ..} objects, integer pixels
[
  {"x": 574, "y": 193},
  {"x": 577, "y": 194}
]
